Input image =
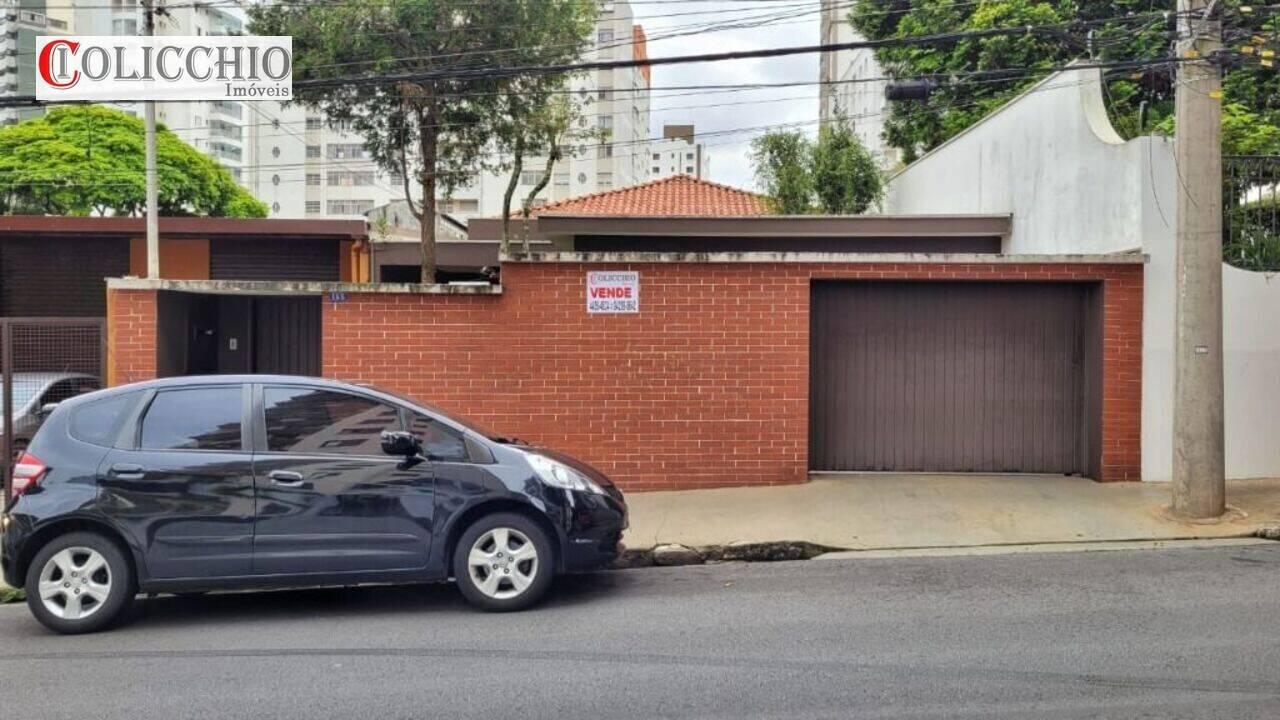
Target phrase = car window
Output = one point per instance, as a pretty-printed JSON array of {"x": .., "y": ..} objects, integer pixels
[
  {"x": 96, "y": 422},
  {"x": 193, "y": 419},
  {"x": 305, "y": 420},
  {"x": 440, "y": 442}
]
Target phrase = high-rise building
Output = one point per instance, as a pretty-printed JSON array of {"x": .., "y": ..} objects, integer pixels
[
  {"x": 678, "y": 154},
  {"x": 21, "y": 22},
  {"x": 852, "y": 84},
  {"x": 301, "y": 164}
]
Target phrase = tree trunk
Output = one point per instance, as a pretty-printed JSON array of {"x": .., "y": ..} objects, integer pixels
[
  {"x": 517, "y": 167},
  {"x": 429, "y": 139},
  {"x": 553, "y": 154}
]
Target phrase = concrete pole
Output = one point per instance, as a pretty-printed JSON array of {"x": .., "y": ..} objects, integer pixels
[
  {"x": 153, "y": 200},
  {"x": 1199, "y": 470}
]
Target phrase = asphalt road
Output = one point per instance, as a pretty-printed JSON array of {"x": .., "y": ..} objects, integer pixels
[{"x": 1135, "y": 634}]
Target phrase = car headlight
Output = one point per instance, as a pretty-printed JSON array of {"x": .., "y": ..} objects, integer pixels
[{"x": 557, "y": 474}]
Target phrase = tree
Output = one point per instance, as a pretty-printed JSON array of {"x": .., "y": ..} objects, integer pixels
[
  {"x": 432, "y": 131},
  {"x": 836, "y": 175},
  {"x": 85, "y": 160},
  {"x": 781, "y": 161},
  {"x": 846, "y": 177},
  {"x": 1104, "y": 30}
]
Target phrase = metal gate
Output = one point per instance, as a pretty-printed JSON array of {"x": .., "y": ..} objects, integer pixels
[
  {"x": 952, "y": 376},
  {"x": 43, "y": 361}
]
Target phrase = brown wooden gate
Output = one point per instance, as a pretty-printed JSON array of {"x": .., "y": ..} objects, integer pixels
[{"x": 954, "y": 376}]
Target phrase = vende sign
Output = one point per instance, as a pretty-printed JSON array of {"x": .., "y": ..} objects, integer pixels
[
  {"x": 613, "y": 292},
  {"x": 126, "y": 68}
]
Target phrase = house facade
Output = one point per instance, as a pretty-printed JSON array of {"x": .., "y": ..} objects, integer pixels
[{"x": 1053, "y": 161}]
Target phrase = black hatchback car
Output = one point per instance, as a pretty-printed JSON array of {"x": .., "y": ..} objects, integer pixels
[{"x": 230, "y": 482}]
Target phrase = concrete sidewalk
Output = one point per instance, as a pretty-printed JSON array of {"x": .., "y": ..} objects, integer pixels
[{"x": 884, "y": 511}]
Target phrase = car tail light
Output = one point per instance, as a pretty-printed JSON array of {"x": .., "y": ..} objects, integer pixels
[{"x": 27, "y": 472}]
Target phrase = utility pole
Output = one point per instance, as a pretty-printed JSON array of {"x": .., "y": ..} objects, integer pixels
[
  {"x": 153, "y": 193},
  {"x": 1199, "y": 469}
]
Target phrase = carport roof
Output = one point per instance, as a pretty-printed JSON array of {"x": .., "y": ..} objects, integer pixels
[{"x": 170, "y": 227}]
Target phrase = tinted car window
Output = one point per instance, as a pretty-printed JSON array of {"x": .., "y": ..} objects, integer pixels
[
  {"x": 438, "y": 440},
  {"x": 96, "y": 422},
  {"x": 193, "y": 419},
  {"x": 67, "y": 389},
  {"x": 304, "y": 420}
]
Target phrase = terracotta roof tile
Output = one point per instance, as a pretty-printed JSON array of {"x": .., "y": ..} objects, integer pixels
[{"x": 678, "y": 195}]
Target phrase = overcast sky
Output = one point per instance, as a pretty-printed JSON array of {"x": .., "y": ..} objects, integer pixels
[{"x": 795, "y": 22}]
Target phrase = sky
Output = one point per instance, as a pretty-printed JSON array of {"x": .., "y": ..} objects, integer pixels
[{"x": 792, "y": 22}]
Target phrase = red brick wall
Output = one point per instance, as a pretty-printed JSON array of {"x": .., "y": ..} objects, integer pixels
[
  {"x": 131, "y": 336},
  {"x": 707, "y": 386}
]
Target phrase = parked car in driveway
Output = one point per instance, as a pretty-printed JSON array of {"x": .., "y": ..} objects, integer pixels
[
  {"x": 229, "y": 482},
  {"x": 33, "y": 395}
]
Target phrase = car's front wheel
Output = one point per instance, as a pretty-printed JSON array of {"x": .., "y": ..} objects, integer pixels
[
  {"x": 78, "y": 583},
  {"x": 503, "y": 562}
]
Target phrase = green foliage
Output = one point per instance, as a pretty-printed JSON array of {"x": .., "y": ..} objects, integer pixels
[
  {"x": 836, "y": 175},
  {"x": 435, "y": 132},
  {"x": 86, "y": 160},
  {"x": 782, "y": 166},
  {"x": 846, "y": 177},
  {"x": 11, "y": 595},
  {"x": 1139, "y": 100}
]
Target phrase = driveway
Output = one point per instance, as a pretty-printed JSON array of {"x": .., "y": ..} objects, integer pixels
[{"x": 1167, "y": 633}]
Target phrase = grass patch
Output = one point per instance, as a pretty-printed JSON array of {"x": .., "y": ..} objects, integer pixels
[{"x": 11, "y": 595}]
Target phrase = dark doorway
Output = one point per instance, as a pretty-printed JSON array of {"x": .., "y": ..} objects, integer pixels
[
  {"x": 208, "y": 334},
  {"x": 955, "y": 377}
]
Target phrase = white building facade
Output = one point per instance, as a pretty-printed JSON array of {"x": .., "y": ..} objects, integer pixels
[
  {"x": 677, "y": 153},
  {"x": 852, "y": 86}
]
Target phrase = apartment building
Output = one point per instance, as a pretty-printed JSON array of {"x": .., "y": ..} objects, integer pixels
[
  {"x": 852, "y": 87},
  {"x": 677, "y": 153},
  {"x": 21, "y": 22}
]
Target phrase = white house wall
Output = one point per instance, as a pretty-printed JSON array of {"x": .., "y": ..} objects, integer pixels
[{"x": 1052, "y": 160}]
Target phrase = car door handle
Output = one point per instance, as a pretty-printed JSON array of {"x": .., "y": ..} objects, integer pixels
[
  {"x": 286, "y": 478},
  {"x": 127, "y": 471}
]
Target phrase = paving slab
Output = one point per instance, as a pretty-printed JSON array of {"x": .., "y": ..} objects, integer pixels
[{"x": 897, "y": 511}]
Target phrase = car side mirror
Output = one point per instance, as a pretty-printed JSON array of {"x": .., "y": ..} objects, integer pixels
[
  {"x": 47, "y": 409},
  {"x": 399, "y": 442}
]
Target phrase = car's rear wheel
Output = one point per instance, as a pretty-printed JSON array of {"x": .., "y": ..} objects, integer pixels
[
  {"x": 503, "y": 562},
  {"x": 79, "y": 583}
]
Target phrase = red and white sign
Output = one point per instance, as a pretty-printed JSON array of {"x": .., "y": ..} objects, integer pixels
[{"x": 613, "y": 291}]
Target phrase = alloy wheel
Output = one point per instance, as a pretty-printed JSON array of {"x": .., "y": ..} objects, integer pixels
[
  {"x": 75, "y": 583},
  {"x": 503, "y": 563}
]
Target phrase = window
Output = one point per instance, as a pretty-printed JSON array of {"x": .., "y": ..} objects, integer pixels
[
  {"x": 605, "y": 122},
  {"x": 352, "y": 178},
  {"x": 688, "y": 156},
  {"x": 275, "y": 207},
  {"x": 96, "y": 422},
  {"x": 657, "y": 156},
  {"x": 313, "y": 207},
  {"x": 562, "y": 179},
  {"x": 313, "y": 151},
  {"x": 530, "y": 177},
  {"x": 606, "y": 150},
  {"x": 604, "y": 180},
  {"x": 346, "y": 151},
  {"x": 275, "y": 151},
  {"x": 313, "y": 179},
  {"x": 655, "y": 170},
  {"x": 275, "y": 179},
  {"x": 314, "y": 123},
  {"x": 349, "y": 207},
  {"x": 303, "y": 420},
  {"x": 605, "y": 93},
  {"x": 194, "y": 419},
  {"x": 605, "y": 35},
  {"x": 689, "y": 170},
  {"x": 440, "y": 442}
]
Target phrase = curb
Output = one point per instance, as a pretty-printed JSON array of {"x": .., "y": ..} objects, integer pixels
[{"x": 676, "y": 555}]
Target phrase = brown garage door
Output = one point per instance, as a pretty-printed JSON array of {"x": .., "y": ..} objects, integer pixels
[{"x": 954, "y": 376}]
